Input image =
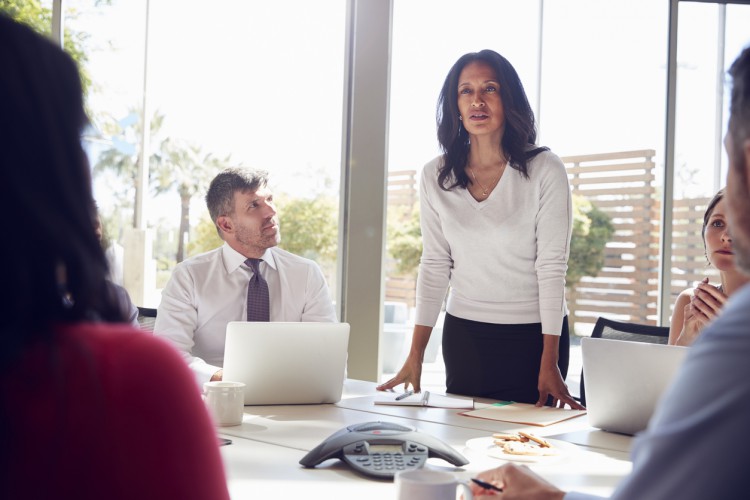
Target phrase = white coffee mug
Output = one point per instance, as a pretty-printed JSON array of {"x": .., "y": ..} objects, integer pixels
[
  {"x": 427, "y": 484},
  {"x": 225, "y": 401}
]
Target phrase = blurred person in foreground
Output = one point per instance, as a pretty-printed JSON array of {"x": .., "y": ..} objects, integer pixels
[
  {"x": 696, "y": 445},
  {"x": 696, "y": 307},
  {"x": 90, "y": 408}
]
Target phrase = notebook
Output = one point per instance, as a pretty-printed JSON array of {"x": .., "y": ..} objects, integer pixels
[
  {"x": 624, "y": 381},
  {"x": 287, "y": 363},
  {"x": 426, "y": 398},
  {"x": 524, "y": 413}
]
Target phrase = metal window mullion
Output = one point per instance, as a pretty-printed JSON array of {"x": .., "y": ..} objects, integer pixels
[{"x": 665, "y": 234}]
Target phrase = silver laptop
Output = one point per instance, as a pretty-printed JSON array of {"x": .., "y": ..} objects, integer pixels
[
  {"x": 287, "y": 363},
  {"x": 624, "y": 381}
]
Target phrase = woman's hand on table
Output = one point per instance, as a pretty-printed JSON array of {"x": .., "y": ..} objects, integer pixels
[
  {"x": 552, "y": 384},
  {"x": 410, "y": 375},
  {"x": 516, "y": 482}
]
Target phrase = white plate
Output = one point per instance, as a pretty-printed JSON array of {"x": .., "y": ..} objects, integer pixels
[{"x": 487, "y": 446}]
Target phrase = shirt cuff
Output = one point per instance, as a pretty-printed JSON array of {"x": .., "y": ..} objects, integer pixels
[{"x": 203, "y": 371}]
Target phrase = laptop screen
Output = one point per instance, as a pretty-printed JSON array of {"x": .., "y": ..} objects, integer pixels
[
  {"x": 625, "y": 380},
  {"x": 287, "y": 363}
]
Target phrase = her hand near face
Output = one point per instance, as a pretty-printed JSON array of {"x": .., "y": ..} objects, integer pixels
[
  {"x": 705, "y": 304},
  {"x": 708, "y": 300}
]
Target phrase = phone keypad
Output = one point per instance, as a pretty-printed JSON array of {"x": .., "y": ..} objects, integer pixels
[{"x": 385, "y": 464}]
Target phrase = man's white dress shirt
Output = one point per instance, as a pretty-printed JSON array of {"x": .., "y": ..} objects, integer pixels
[{"x": 210, "y": 290}]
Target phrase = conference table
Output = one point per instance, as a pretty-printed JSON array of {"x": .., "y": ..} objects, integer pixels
[{"x": 263, "y": 459}]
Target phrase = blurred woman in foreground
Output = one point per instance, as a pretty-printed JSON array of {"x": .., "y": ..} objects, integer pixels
[{"x": 89, "y": 406}]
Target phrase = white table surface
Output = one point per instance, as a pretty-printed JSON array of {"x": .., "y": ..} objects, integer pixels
[{"x": 266, "y": 449}]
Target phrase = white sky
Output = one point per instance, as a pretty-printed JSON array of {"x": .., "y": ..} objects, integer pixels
[{"x": 264, "y": 80}]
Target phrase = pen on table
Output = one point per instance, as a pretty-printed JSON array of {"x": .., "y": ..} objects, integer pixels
[
  {"x": 486, "y": 485},
  {"x": 404, "y": 395}
]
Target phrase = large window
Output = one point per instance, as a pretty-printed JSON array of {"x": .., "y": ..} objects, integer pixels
[
  {"x": 710, "y": 38},
  {"x": 262, "y": 84},
  {"x": 598, "y": 89},
  {"x": 233, "y": 83}
]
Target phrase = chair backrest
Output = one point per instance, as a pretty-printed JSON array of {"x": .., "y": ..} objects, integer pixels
[
  {"x": 146, "y": 318},
  {"x": 633, "y": 332}
]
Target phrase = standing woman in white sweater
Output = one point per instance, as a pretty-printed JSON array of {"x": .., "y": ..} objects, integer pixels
[{"x": 496, "y": 223}]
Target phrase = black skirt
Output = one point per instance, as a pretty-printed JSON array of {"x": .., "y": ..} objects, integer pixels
[{"x": 497, "y": 361}]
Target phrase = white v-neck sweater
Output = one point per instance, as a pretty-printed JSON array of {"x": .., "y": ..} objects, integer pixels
[{"x": 505, "y": 258}]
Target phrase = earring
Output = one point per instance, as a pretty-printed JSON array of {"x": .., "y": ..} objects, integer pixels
[
  {"x": 461, "y": 118},
  {"x": 62, "y": 286}
]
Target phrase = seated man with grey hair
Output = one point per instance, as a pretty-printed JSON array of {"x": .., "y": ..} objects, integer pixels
[{"x": 248, "y": 278}]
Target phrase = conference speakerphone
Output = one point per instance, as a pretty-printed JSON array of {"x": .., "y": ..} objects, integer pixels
[{"x": 380, "y": 449}]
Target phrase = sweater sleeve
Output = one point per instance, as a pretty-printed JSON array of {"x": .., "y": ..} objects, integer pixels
[
  {"x": 436, "y": 263},
  {"x": 553, "y": 229}
]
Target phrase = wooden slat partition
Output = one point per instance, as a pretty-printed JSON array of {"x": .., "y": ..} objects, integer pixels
[
  {"x": 622, "y": 184},
  {"x": 626, "y": 288}
]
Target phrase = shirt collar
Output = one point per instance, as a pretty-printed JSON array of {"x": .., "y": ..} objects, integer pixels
[{"x": 233, "y": 259}]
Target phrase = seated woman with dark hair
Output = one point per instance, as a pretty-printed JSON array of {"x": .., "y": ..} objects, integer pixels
[
  {"x": 695, "y": 307},
  {"x": 89, "y": 407}
]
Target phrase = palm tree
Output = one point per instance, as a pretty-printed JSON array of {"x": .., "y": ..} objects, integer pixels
[
  {"x": 123, "y": 156},
  {"x": 183, "y": 167}
]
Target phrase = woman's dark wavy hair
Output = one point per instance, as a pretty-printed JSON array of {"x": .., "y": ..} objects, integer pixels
[
  {"x": 520, "y": 127},
  {"x": 53, "y": 267},
  {"x": 710, "y": 210}
]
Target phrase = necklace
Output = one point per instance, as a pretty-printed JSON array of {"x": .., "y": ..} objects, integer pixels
[{"x": 486, "y": 191}]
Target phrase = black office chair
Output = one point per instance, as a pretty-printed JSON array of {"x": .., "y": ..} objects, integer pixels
[
  {"x": 146, "y": 318},
  {"x": 633, "y": 332}
]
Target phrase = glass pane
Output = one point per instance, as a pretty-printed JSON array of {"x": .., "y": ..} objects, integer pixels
[
  {"x": 111, "y": 44},
  {"x": 226, "y": 87},
  {"x": 603, "y": 101},
  {"x": 428, "y": 37},
  {"x": 600, "y": 107},
  {"x": 707, "y": 45}
]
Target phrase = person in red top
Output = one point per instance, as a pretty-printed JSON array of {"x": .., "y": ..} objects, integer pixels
[{"x": 89, "y": 406}]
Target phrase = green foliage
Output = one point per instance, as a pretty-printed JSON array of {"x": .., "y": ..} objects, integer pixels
[
  {"x": 592, "y": 229},
  {"x": 30, "y": 13},
  {"x": 404, "y": 239},
  {"x": 39, "y": 18},
  {"x": 309, "y": 226},
  {"x": 203, "y": 237}
]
